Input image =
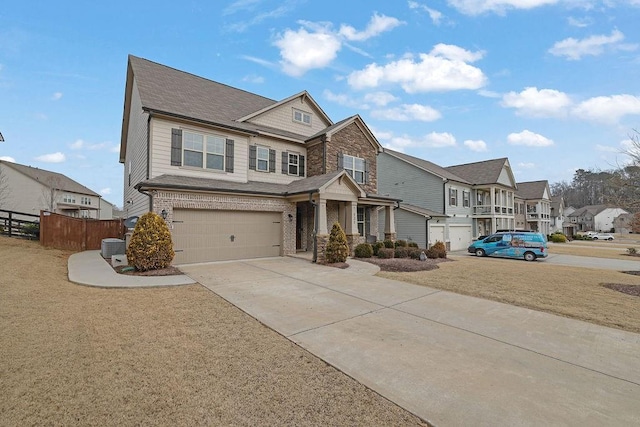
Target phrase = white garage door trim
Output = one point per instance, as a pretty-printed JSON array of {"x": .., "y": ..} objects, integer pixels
[
  {"x": 436, "y": 232},
  {"x": 201, "y": 235},
  {"x": 459, "y": 237}
]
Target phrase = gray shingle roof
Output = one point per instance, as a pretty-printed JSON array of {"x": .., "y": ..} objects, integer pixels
[
  {"x": 479, "y": 173},
  {"x": 531, "y": 190},
  {"x": 427, "y": 165},
  {"x": 592, "y": 209},
  {"x": 422, "y": 211},
  {"x": 49, "y": 179}
]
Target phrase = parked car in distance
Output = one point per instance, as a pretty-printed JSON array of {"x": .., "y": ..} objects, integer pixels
[
  {"x": 527, "y": 245},
  {"x": 602, "y": 236}
]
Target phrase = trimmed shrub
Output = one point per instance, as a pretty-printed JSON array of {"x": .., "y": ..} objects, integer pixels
[
  {"x": 414, "y": 252},
  {"x": 150, "y": 247},
  {"x": 558, "y": 238},
  {"x": 412, "y": 244},
  {"x": 376, "y": 247},
  {"x": 439, "y": 249},
  {"x": 386, "y": 253},
  {"x": 431, "y": 254},
  {"x": 389, "y": 244},
  {"x": 401, "y": 252},
  {"x": 401, "y": 243},
  {"x": 337, "y": 249},
  {"x": 363, "y": 250}
]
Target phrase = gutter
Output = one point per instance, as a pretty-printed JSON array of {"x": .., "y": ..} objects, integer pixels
[{"x": 316, "y": 220}]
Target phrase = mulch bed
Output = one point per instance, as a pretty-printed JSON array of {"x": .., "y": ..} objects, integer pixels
[
  {"x": 404, "y": 265},
  {"x": 633, "y": 290},
  {"x": 125, "y": 269}
]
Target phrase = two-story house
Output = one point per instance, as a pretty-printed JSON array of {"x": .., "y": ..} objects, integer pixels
[
  {"x": 595, "y": 217},
  {"x": 238, "y": 175},
  {"x": 436, "y": 203},
  {"x": 558, "y": 216},
  {"x": 30, "y": 190},
  {"x": 533, "y": 206}
]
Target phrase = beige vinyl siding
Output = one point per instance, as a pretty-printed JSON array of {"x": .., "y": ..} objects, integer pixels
[
  {"x": 278, "y": 177},
  {"x": 161, "y": 153},
  {"x": 136, "y": 155},
  {"x": 505, "y": 179},
  {"x": 282, "y": 118},
  {"x": 24, "y": 194}
]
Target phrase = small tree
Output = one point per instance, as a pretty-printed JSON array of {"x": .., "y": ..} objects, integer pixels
[
  {"x": 150, "y": 247},
  {"x": 337, "y": 249},
  {"x": 635, "y": 223}
]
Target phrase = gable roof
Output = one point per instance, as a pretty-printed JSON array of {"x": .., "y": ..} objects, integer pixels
[
  {"x": 49, "y": 179},
  {"x": 427, "y": 213},
  {"x": 480, "y": 173},
  {"x": 337, "y": 127},
  {"x": 556, "y": 203},
  {"x": 426, "y": 166},
  {"x": 591, "y": 209},
  {"x": 532, "y": 190},
  {"x": 304, "y": 94}
]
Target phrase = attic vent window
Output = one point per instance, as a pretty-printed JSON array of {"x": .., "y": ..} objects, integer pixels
[{"x": 302, "y": 117}]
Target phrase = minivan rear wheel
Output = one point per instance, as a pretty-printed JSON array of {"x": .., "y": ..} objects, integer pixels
[
  {"x": 529, "y": 256},
  {"x": 479, "y": 252}
]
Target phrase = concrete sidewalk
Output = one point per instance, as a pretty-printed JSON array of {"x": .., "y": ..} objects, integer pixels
[
  {"x": 451, "y": 359},
  {"x": 89, "y": 268}
]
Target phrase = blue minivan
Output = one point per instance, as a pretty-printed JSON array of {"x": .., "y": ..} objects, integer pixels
[{"x": 514, "y": 244}]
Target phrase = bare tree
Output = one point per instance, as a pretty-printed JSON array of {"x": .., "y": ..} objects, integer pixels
[
  {"x": 634, "y": 150},
  {"x": 50, "y": 193}
]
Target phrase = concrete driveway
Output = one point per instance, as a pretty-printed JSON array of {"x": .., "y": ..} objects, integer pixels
[{"x": 450, "y": 359}]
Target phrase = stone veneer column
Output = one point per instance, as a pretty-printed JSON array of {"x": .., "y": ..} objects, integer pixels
[{"x": 389, "y": 223}]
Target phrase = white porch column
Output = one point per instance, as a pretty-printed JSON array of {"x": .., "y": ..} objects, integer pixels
[
  {"x": 322, "y": 217},
  {"x": 351, "y": 218},
  {"x": 389, "y": 220}
]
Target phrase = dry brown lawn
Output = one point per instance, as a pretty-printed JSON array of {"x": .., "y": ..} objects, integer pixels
[
  {"x": 594, "y": 249},
  {"x": 567, "y": 291},
  {"x": 74, "y": 355}
]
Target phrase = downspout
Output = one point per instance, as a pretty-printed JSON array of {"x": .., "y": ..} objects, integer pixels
[
  {"x": 148, "y": 161},
  {"x": 316, "y": 224}
]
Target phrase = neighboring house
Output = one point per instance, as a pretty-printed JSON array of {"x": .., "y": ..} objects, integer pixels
[
  {"x": 534, "y": 206},
  {"x": 595, "y": 217},
  {"x": 558, "y": 213},
  {"x": 622, "y": 223},
  {"x": 493, "y": 198},
  {"x": 238, "y": 175},
  {"x": 107, "y": 210},
  {"x": 436, "y": 203},
  {"x": 30, "y": 190}
]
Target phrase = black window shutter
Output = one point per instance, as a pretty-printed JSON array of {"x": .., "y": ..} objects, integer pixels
[
  {"x": 285, "y": 162},
  {"x": 176, "y": 147},
  {"x": 229, "y": 156},
  {"x": 340, "y": 161},
  {"x": 272, "y": 160},
  {"x": 301, "y": 167},
  {"x": 252, "y": 157},
  {"x": 366, "y": 171}
]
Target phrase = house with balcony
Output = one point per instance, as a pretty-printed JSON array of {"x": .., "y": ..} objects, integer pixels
[
  {"x": 533, "y": 211},
  {"x": 238, "y": 175},
  {"x": 30, "y": 190},
  {"x": 558, "y": 216}
]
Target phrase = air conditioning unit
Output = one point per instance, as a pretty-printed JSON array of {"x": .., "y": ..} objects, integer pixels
[{"x": 112, "y": 247}]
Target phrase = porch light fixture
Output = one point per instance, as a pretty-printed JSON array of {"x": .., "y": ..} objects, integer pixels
[
  {"x": 290, "y": 217},
  {"x": 164, "y": 214}
]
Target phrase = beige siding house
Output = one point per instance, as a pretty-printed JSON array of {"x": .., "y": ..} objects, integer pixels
[
  {"x": 30, "y": 190},
  {"x": 238, "y": 175},
  {"x": 534, "y": 200}
]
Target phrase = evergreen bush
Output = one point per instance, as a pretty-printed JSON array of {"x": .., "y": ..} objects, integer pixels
[
  {"x": 389, "y": 244},
  {"x": 401, "y": 252},
  {"x": 401, "y": 243},
  {"x": 376, "y": 247},
  {"x": 150, "y": 247},
  {"x": 386, "y": 253},
  {"x": 337, "y": 249},
  {"x": 363, "y": 250},
  {"x": 412, "y": 244},
  {"x": 439, "y": 249}
]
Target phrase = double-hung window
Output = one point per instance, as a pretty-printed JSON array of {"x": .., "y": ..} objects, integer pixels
[
  {"x": 301, "y": 117},
  {"x": 294, "y": 164},
  {"x": 453, "y": 197},
  {"x": 262, "y": 158},
  {"x": 355, "y": 166},
  {"x": 203, "y": 151},
  {"x": 360, "y": 219},
  {"x": 466, "y": 199}
]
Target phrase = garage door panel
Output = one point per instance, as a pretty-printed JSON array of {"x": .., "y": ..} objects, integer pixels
[
  {"x": 459, "y": 237},
  {"x": 212, "y": 235}
]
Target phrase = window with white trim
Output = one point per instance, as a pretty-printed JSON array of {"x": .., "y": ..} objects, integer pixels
[
  {"x": 294, "y": 164},
  {"x": 68, "y": 198},
  {"x": 301, "y": 117},
  {"x": 85, "y": 200},
  {"x": 262, "y": 159},
  {"x": 466, "y": 199},
  {"x": 453, "y": 197},
  {"x": 360, "y": 219},
  {"x": 355, "y": 167},
  {"x": 203, "y": 151}
]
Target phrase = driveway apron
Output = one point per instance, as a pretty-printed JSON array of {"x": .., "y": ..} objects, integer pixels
[{"x": 448, "y": 358}]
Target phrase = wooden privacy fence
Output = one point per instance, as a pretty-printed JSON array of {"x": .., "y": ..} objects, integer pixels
[{"x": 77, "y": 234}]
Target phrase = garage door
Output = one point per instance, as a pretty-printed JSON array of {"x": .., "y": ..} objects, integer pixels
[
  {"x": 207, "y": 235},
  {"x": 459, "y": 237},
  {"x": 436, "y": 233}
]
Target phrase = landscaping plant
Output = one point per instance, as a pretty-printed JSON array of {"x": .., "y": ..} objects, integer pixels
[
  {"x": 337, "y": 249},
  {"x": 150, "y": 247},
  {"x": 363, "y": 250}
]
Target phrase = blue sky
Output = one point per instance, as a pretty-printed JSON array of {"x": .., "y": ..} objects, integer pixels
[{"x": 550, "y": 84}]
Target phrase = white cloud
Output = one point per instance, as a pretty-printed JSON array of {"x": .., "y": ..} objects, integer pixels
[
  {"x": 579, "y": 22},
  {"x": 489, "y": 94},
  {"x": 607, "y": 148},
  {"x": 408, "y": 112},
  {"x": 436, "y": 16},
  {"x": 574, "y": 49},
  {"x": 443, "y": 69},
  {"x": 477, "y": 145},
  {"x": 77, "y": 145},
  {"x": 529, "y": 139},
  {"x": 608, "y": 109},
  {"x": 8, "y": 159},
  {"x": 115, "y": 148},
  {"x": 105, "y": 191},
  {"x": 476, "y": 7},
  {"x": 377, "y": 25},
  {"x": 252, "y": 78},
  {"x": 57, "y": 157},
  {"x": 538, "y": 103},
  {"x": 302, "y": 50},
  {"x": 343, "y": 99},
  {"x": 56, "y": 96},
  {"x": 526, "y": 165},
  {"x": 380, "y": 98},
  {"x": 401, "y": 143},
  {"x": 259, "y": 61}
]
